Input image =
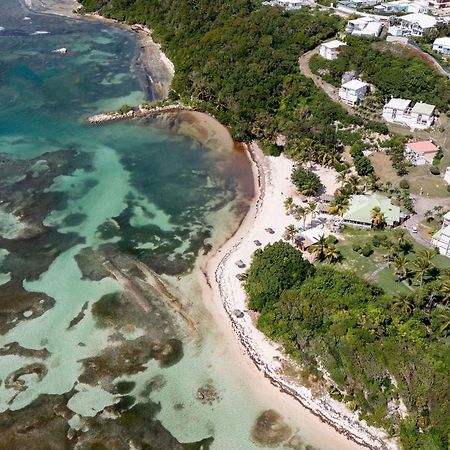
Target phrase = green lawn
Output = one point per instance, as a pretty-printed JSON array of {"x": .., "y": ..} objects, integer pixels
[{"x": 374, "y": 267}]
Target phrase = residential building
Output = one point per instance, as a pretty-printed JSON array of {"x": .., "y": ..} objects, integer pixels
[
  {"x": 290, "y": 4},
  {"x": 441, "y": 239},
  {"x": 447, "y": 175},
  {"x": 364, "y": 26},
  {"x": 439, "y": 4},
  {"x": 359, "y": 212},
  {"x": 402, "y": 6},
  {"x": 399, "y": 110},
  {"x": 420, "y": 153},
  {"x": 396, "y": 109},
  {"x": 442, "y": 45},
  {"x": 446, "y": 218},
  {"x": 422, "y": 115},
  {"x": 330, "y": 50},
  {"x": 416, "y": 24},
  {"x": 353, "y": 92}
]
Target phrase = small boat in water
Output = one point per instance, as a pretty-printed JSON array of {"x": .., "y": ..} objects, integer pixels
[{"x": 61, "y": 51}]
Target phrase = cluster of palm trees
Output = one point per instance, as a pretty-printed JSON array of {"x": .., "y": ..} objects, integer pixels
[
  {"x": 351, "y": 184},
  {"x": 325, "y": 250},
  {"x": 301, "y": 213},
  {"x": 305, "y": 150},
  {"x": 420, "y": 269}
]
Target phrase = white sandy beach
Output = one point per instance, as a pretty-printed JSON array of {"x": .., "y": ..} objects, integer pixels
[
  {"x": 223, "y": 292},
  {"x": 226, "y": 293}
]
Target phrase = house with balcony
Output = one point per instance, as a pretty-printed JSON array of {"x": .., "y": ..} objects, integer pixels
[
  {"x": 401, "y": 6},
  {"x": 439, "y": 4},
  {"x": 442, "y": 45},
  {"x": 447, "y": 175},
  {"x": 441, "y": 239},
  {"x": 422, "y": 115},
  {"x": 420, "y": 153},
  {"x": 416, "y": 24},
  {"x": 353, "y": 92},
  {"x": 399, "y": 110},
  {"x": 364, "y": 26},
  {"x": 330, "y": 50}
]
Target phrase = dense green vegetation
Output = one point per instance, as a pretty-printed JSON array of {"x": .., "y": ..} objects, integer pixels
[
  {"x": 306, "y": 181},
  {"x": 377, "y": 348},
  {"x": 239, "y": 61},
  {"x": 393, "y": 75}
]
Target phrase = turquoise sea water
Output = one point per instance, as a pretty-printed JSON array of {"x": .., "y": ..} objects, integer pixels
[{"x": 78, "y": 203}]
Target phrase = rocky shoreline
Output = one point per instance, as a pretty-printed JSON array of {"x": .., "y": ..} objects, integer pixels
[{"x": 140, "y": 111}]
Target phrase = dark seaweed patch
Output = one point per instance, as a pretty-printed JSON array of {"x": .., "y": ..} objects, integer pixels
[{"x": 75, "y": 219}]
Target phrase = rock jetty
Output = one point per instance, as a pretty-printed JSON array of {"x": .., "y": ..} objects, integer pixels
[{"x": 140, "y": 111}]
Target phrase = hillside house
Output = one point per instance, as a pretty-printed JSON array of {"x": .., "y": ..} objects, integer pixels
[
  {"x": 416, "y": 24},
  {"x": 353, "y": 92},
  {"x": 420, "y": 153},
  {"x": 399, "y": 110},
  {"x": 359, "y": 212},
  {"x": 364, "y": 26},
  {"x": 422, "y": 115},
  {"x": 401, "y": 6},
  {"x": 447, "y": 175},
  {"x": 442, "y": 45},
  {"x": 441, "y": 239},
  {"x": 439, "y": 4},
  {"x": 330, "y": 50}
]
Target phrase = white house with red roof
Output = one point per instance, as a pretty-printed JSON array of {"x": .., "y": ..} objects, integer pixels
[{"x": 420, "y": 153}]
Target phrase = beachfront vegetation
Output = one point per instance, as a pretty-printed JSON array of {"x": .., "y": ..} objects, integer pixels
[
  {"x": 392, "y": 74},
  {"x": 306, "y": 181},
  {"x": 238, "y": 60},
  {"x": 381, "y": 351}
]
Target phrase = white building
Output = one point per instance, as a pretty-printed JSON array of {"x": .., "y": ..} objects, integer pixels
[
  {"x": 442, "y": 45},
  {"x": 330, "y": 50},
  {"x": 447, "y": 175},
  {"x": 442, "y": 238},
  {"x": 438, "y": 4},
  {"x": 420, "y": 153},
  {"x": 353, "y": 92},
  {"x": 416, "y": 24},
  {"x": 364, "y": 26},
  {"x": 290, "y": 4},
  {"x": 396, "y": 110},
  {"x": 399, "y": 110},
  {"x": 422, "y": 115},
  {"x": 402, "y": 6}
]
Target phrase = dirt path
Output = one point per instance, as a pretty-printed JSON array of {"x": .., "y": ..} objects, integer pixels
[{"x": 329, "y": 89}]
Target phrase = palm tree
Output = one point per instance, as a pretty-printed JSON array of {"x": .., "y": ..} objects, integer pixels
[
  {"x": 342, "y": 177},
  {"x": 318, "y": 249},
  {"x": 373, "y": 182},
  {"x": 301, "y": 214},
  {"x": 445, "y": 291},
  {"x": 331, "y": 253},
  {"x": 427, "y": 253},
  {"x": 289, "y": 233},
  {"x": 338, "y": 206},
  {"x": 421, "y": 267},
  {"x": 403, "y": 303},
  {"x": 289, "y": 205},
  {"x": 391, "y": 250},
  {"x": 312, "y": 210},
  {"x": 400, "y": 265},
  {"x": 378, "y": 220},
  {"x": 354, "y": 182}
]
